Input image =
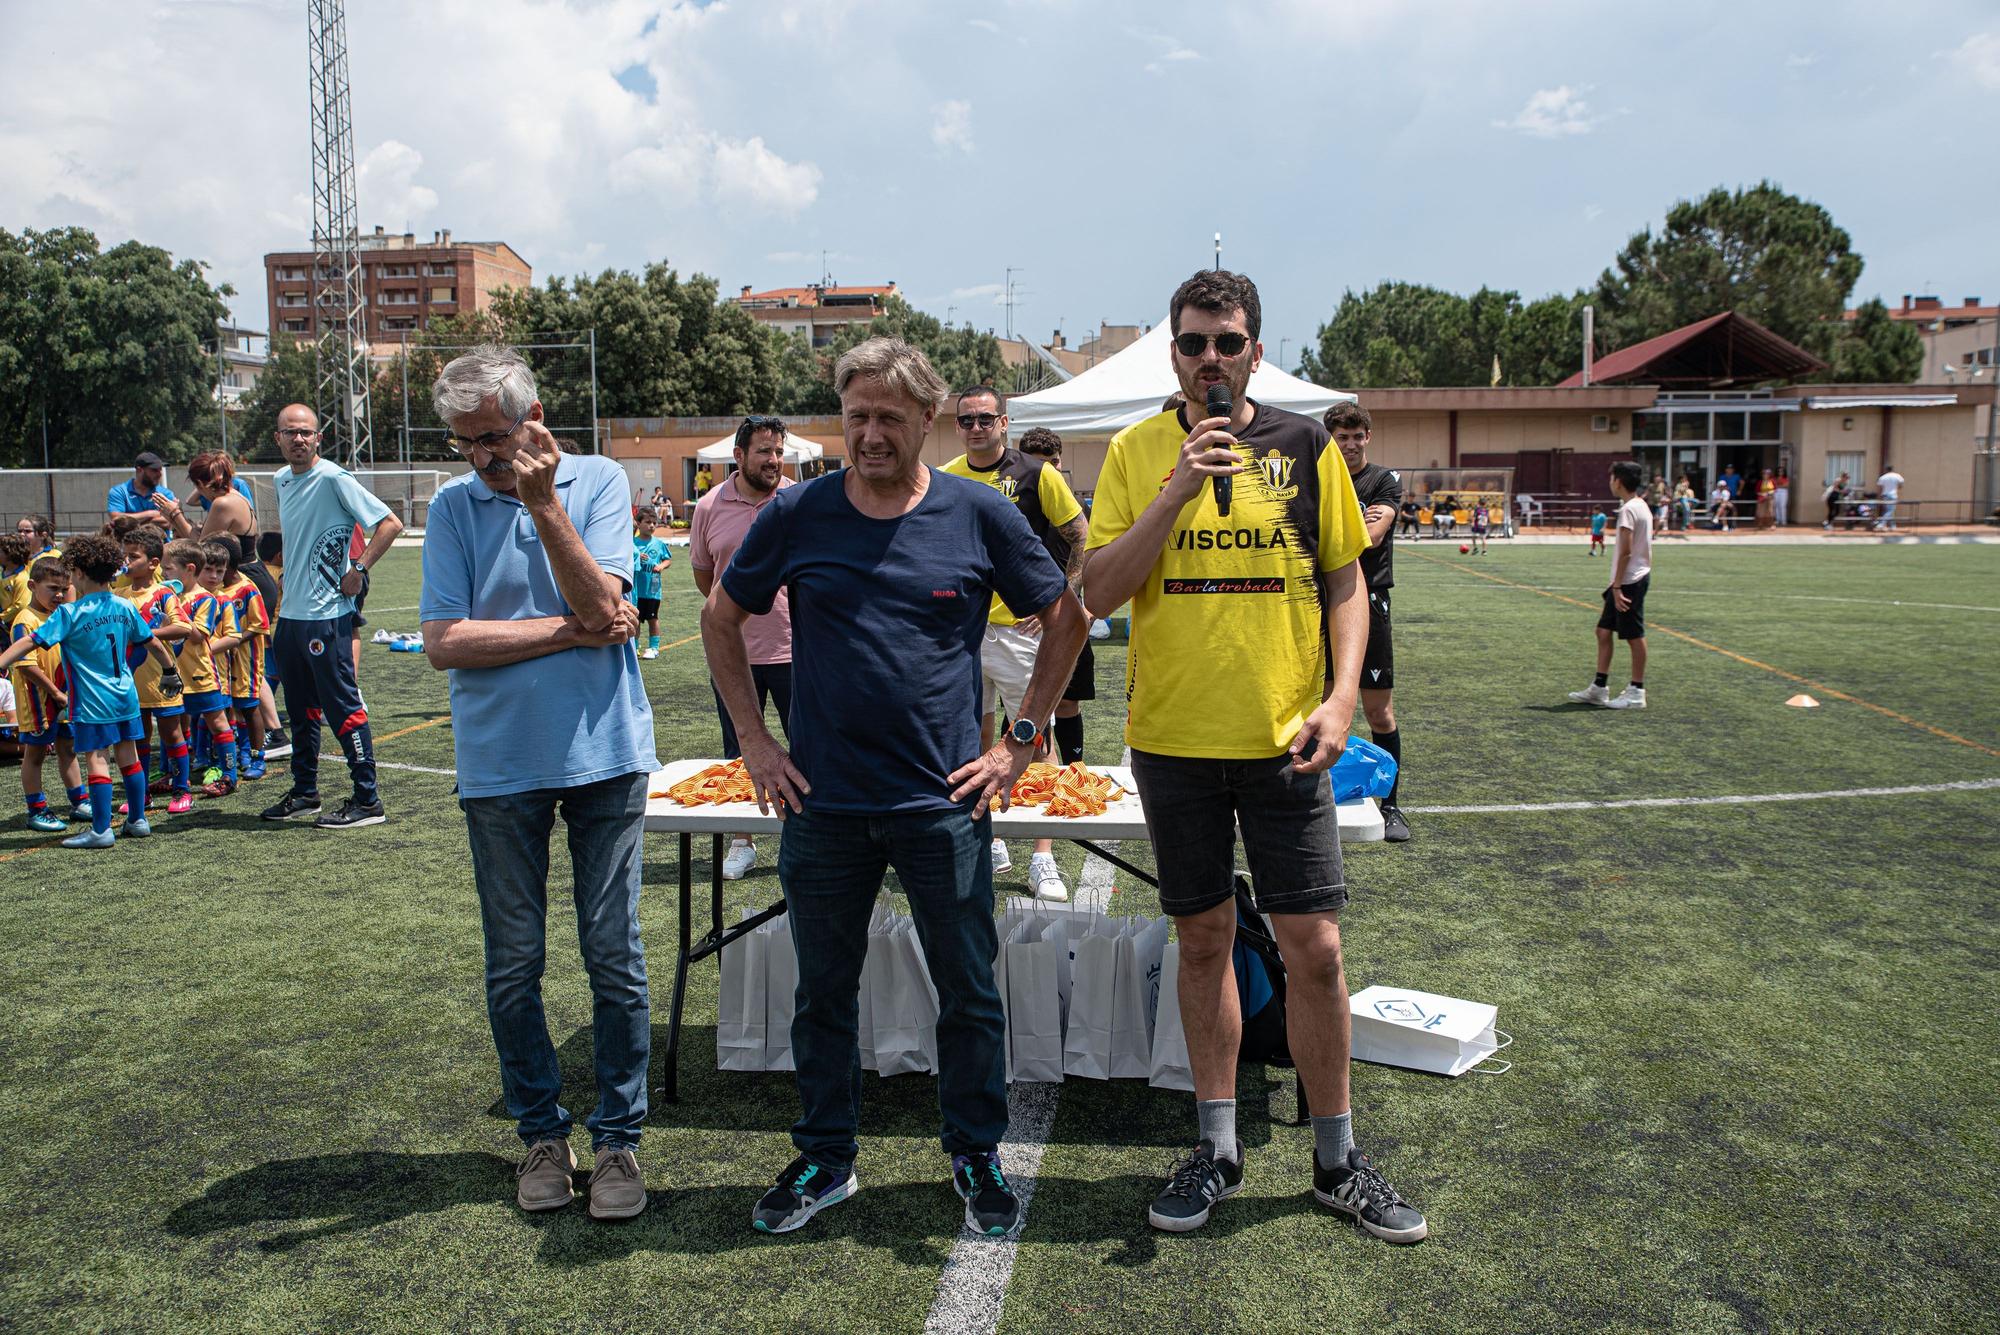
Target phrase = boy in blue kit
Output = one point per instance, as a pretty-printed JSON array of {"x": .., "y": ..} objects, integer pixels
[
  {"x": 40, "y": 701},
  {"x": 650, "y": 556},
  {"x": 99, "y": 633},
  {"x": 1597, "y": 521}
]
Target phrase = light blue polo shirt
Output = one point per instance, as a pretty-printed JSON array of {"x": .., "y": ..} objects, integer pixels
[
  {"x": 317, "y": 510},
  {"x": 569, "y": 718},
  {"x": 124, "y": 499}
]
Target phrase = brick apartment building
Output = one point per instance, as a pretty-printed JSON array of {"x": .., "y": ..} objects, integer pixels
[
  {"x": 817, "y": 312},
  {"x": 406, "y": 282}
]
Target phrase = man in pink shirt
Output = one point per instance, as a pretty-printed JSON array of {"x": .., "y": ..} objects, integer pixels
[{"x": 720, "y": 519}]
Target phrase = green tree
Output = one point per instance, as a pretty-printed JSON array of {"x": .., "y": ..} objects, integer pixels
[
  {"x": 107, "y": 347},
  {"x": 1760, "y": 252},
  {"x": 288, "y": 377},
  {"x": 1874, "y": 349},
  {"x": 1543, "y": 342},
  {"x": 1401, "y": 334}
]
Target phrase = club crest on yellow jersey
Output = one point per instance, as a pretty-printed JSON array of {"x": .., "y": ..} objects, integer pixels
[{"x": 1276, "y": 469}]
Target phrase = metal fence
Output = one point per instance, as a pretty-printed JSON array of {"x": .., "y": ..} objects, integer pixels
[{"x": 75, "y": 497}]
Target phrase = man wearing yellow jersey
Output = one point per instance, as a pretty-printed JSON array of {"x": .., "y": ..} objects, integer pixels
[
  {"x": 1007, "y": 655},
  {"x": 1235, "y": 715}
]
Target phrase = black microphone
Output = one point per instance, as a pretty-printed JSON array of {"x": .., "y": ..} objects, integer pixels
[{"x": 1219, "y": 406}]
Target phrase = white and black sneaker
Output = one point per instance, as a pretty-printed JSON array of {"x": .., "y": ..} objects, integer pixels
[
  {"x": 1632, "y": 697},
  {"x": 1395, "y": 829},
  {"x": 1194, "y": 1186},
  {"x": 803, "y": 1190},
  {"x": 1358, "y": 1188},
  {"x": 1592, "y": 695},
  {"x": 991, "y": 1207},
  {"x": 351, "y": 814},
  {"x": 292, "y": 806}
]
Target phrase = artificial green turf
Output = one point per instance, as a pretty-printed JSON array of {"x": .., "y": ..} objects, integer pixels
[{"x": 250, "y": 1086}]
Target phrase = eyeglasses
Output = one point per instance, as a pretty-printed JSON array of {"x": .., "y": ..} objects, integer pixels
[
  {"x": 1192, "y": 344},
  {"x": 980, "y": 420},
  {"x": 298, "y": 432},
  {"x": 491, "y": 440}
]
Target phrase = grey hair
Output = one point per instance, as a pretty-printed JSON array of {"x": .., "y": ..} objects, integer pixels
[
  {"x": 899, "y": 366},
  {"x": 487, "y": 372}
]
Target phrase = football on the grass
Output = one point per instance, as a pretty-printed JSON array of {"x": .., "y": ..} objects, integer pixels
[{"x": 1463, "y": 548}]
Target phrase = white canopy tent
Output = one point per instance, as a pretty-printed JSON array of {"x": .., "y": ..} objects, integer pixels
[
  {"x": 1130, "y": 385},
  {"x": 797, "y": 450}
]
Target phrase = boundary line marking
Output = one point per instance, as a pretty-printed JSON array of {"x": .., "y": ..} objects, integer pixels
[
  {"x": 1740, "y": 799},
  {"x": 416, "y": 769},
  {"x": 414, "y": 727},
  {"x": 1819, "y": 686},
  {"x": 972, "y": 1287}
]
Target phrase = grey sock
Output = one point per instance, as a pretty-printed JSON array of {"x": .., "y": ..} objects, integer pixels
[
  {"x": 1333, "y": 1137},
  {"x": 1218, "y": 1126}
]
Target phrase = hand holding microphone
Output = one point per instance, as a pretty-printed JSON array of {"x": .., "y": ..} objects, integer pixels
[{"x": 1219, "y": 406}]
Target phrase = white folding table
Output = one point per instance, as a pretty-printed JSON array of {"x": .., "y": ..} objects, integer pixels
[{"x": 1360, "y": 822}]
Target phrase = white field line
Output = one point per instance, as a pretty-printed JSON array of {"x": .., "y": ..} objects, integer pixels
[
  {"x": 1678, "y": 594},
  {"x": 1959, "y": 786},
  {"x": 972, "y": 1288},
  {"x": 416, "y": 769}
]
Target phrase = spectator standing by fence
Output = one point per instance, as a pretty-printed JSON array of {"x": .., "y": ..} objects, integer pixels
[
  {"x": 145, "y": 496},
  {"x": 1781, "y": 498},
  {"x": 1889, "y": 487}
]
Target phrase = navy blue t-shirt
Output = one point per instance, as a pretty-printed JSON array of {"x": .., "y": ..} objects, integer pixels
[{"x": 887, "y": 620}]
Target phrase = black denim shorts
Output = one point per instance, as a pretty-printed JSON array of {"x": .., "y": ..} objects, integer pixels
[{"x": 1291, "y": 834}]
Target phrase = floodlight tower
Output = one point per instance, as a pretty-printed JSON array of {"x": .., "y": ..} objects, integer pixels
[{"x": 340, "y": 339}]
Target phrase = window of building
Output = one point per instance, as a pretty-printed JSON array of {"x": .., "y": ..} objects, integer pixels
[
  {"x": 1730, "y": 426},
  {"x": 398, "y": 271},
  {"x": 295, "y": 326},
  {"x": 1649, "y": 426},
  {"x": 1690, "y": 426},
  {"x": 443, "y": 296},
  {"x": 1766, "y": 426},
  {"x": 443, "y": 270},
  {"x": 399, "y": 296},
  {"x": 1842, "y": 461}
]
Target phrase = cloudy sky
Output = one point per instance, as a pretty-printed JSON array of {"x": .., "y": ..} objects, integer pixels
[{"x": 1095, "y": 146}]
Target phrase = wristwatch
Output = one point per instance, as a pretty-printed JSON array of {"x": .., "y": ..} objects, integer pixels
[{"x": 1024, "y": 733}]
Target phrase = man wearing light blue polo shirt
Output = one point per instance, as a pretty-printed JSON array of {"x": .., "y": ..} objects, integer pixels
[
  {"x": 141, "y": 496},
  {"x": 527, "y": 560}
]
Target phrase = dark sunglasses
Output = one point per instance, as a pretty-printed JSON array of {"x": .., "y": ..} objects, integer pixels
[
  {"x": 776, "y": 424},
  {"x": 971, "y": 420},
  {"x": 1192, "y": 344}
]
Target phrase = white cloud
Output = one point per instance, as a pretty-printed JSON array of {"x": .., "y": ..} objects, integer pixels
[
  {"x": 1592, "y": 212},
  {"x": 1801, "y": 61},
  {"x": 1553, "y": 113},
  {"x": 1979, "y": 56},
  {"x": 997, "y": 292},
  {"x": 387, "y": 180},
  {"x": 749, "y": 173},
  {"x": 951, "y": 126},
  {"x": 988, "y": 24},
  {"x": 1178, "y": 55}
]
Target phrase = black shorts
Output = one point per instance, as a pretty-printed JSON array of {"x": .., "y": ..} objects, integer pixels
[
  {"x": 1291, "y": 833},
  {"x": 1083, "y": 678},
  {"x": 649, "y": 609},
  {"x": 1631, "y": 623},
  {"x": 1378, "y": 660}
]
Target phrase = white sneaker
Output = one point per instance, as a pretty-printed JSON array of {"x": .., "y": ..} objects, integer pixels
[
  {"x": 1002, "y": 861},
  {"x": 1592, "y": 694},
  {"x": 742, "y": 857},
  {"x": 650, "y": 653},
  {"x": 1632, "y": 697},
  {"x": 1044, "y": 881}
]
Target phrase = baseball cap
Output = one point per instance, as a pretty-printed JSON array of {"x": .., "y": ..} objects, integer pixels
[{"x": 148, "y": 459}]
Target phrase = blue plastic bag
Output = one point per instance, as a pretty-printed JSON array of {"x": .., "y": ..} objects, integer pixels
[{"x": 1363, "y": 770}]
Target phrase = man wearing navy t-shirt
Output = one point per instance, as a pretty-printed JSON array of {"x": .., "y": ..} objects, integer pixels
[{"x": 891, "y": 567}]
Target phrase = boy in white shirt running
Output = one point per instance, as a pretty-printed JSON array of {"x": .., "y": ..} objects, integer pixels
[{"x": 1625, "y": 600}]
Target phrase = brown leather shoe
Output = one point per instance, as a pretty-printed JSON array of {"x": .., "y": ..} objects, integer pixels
[
  {"x": 544, "y": 1177},
  {"x": 617, "y": 1191}
]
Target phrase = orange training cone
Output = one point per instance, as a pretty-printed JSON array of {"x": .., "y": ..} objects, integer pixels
[{"x": 1803, "y": 702}]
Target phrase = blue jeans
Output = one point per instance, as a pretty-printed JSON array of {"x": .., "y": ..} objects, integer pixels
[
  {"x": 831, "y": 867},
  {"x": 510, "y": 866}
]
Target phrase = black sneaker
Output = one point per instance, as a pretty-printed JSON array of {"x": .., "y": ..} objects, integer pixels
[
  {"x": 1358, "y": 1188},
  {"x": 991, "y": 1207},
  {"x": 1193, "y": 1188},
  {"x": 1395, "y": 829},
  {"x": 351, "y": 814},
  {"x": 292, "y": 806},
  {"x": 803, "y": 1190}
]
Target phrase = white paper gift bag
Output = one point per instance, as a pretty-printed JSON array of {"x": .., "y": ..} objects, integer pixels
[
  {"x": 1036, "y": 958},
  {"x": 1093, "y": 997},
  {"x": 905, "y": 1005},
  {"x": 1136, "y": 996},
  {"x": 781, "y": 972},
  {"x": 1170, "y": 1068},
  {"x": 740, "y": 1022},
  {"x": 1424, "y": 1031}
]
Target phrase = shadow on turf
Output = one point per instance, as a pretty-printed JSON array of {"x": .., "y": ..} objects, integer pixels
[
  {"x": 1094, "y": 1112},
  {"x": 340, "y": 1193}
]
